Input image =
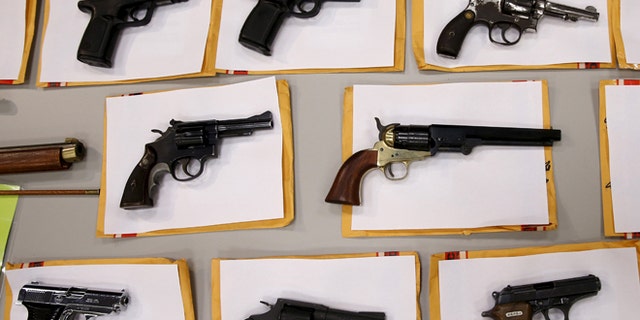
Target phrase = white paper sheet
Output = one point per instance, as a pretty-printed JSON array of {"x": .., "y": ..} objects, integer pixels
[
  {"x": 556, "y": 40},
  {"x": 629, "y": 25},
  {"x": 623, "y": 132},
  {"x": 342, "y": 35},
  {"x": 13, "y": 22},
  {"x": 154, "y": 290},
  {"x": 466, "y": 285},
  {"x": 490, "y": 187},
  {"x": 381, "y": 284},
  {"x": 243, "y": 184},
  {"x": 173, "y": 43}
]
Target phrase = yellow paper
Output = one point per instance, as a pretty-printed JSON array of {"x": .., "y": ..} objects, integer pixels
[
  {"x": 399, "y": 48},
  {"x": 605, "y": 174},
  {"x": 208, "y": 54},
  {"x": 30, "y": 25},
  {"x": 182, "y": 268},
  {"x": 216, "y": 302},
  {"x": 616, "y": 26},
  {"x": 347, "y": 151},
  {"x": 287, "y": 183},
  {"x": 420, "y": 26},
  {"x": 434, "y": 281}
]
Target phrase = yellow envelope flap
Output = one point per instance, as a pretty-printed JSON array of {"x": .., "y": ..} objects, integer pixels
[
  {"x": 208, "y": 60},
  {"x": 398, "y": 64},
  {"x": 434, "y": 287},
  {"x": 284, "y": 99},
  {"x": 347, "y": 151},
  {"x": 30, "y": 26},
  {"x": 418, "y": 26},
  {"x": 605, "y": 173},
  {"x": 616, "y": 30},
  {"x": 216, "y": 303},
  {"x": 183, "y": 276}
]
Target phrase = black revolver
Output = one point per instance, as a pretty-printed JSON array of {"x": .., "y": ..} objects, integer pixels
[
  {"x": 404, "y": 144},
  {"x": 46, "y": 302},
  {"x": 108, "y": 18},
  {"x": 506, "y": 20},
  {"x": 286, "y": 309},
  {"x": 522, "y": 302},
  {"x": 180, "y": 144},
  {"x": 264, "y": 21}
]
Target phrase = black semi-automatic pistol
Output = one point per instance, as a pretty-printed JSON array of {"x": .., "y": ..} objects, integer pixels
[
  {"x": 522, "y": 302},
  {"x": 264, "y": 21},
  {"x": 108, "y": 18}
]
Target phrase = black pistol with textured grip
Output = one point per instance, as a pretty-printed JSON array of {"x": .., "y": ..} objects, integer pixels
[
  {"x": 264, "y": 21},
  {"x": 506, "y": 20},
  {"x": 403, "y": 144},
  {"x": 47, "y": 302},
  {"x": 286, "y": 309},
  {"x": 108, "y": 18},
  {"x": 180, "y": 145},
  {"x": 524, "y": 301}
]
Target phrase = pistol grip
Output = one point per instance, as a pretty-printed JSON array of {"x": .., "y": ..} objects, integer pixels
[
  {"x": 136, "y": 193},
  {"x": 262, "y": 26},
  {"x": 452, "y": 36},
  {"x": 43, "y": 312},
  {"x": 99, "y": 39},
  {"x": 346, "y": 185}
]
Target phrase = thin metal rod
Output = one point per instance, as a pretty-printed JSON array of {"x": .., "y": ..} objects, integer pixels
[{"x": 86, "y": 192}]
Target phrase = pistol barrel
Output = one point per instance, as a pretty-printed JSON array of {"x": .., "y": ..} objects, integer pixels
[
  {"x": 585, "y": 285},
  {"x": 454, "y": 138},
  {"x": 570, "y": 13},
  {"x": 246, "y": 126}
]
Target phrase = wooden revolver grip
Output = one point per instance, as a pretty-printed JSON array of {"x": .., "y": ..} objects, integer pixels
[
  {"x": 32, "y": 160},
  {"x": 346, "y": 185}
]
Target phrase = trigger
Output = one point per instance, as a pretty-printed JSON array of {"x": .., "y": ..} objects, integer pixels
[{"x": 388, "y": 172}]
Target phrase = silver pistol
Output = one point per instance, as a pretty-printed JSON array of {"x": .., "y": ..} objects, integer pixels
[
  {"x": 49, "y": 302},
  {"x": 506, "y": 20}
]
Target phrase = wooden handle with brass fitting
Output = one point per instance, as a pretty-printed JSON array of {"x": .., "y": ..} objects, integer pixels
[{"x": 41, "y": 157}]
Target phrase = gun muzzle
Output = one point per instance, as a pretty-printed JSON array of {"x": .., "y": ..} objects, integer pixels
[
  {"x": 570, "y": 13},
  {"x": 41, "y": 157}
]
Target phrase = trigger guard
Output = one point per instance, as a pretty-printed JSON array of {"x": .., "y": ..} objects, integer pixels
[
  {"x": 185, "y": 170},
  {"x": 504, "y": 27},
  {"x": 545, "y": 313},
  {"x": 135, "y": 21},
  {"x": 388, "y": 171},
  {"x": 301, "y": 13},
  {"x": 68, "y": 314}
]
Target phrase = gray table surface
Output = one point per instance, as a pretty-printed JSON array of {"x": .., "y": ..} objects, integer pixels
[{"x": 63, "y": 227}]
